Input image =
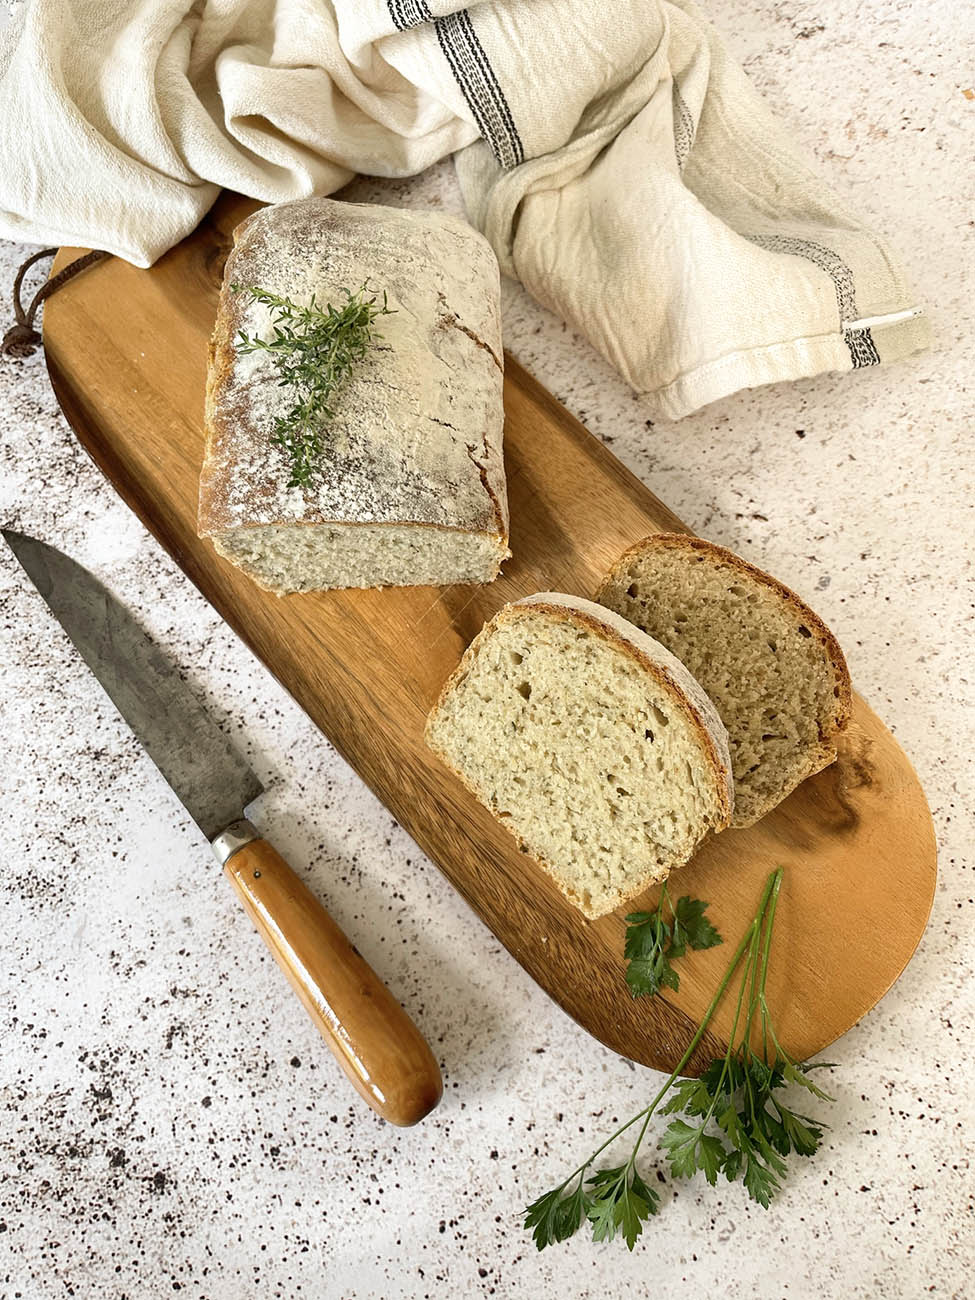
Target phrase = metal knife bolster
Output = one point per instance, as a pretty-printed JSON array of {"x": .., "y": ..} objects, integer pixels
[{"x": 236, "y": 836}]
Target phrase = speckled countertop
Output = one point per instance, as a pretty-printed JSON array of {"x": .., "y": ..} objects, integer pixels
[{"x": 170, "y": 1122}]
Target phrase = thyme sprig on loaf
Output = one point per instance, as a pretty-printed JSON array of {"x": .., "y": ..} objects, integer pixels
[
  {"x": 736, "y": 1122},
  {"x": 314, "y": 350}
]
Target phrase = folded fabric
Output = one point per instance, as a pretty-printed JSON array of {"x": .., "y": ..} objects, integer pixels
[{"x": 616, "y": 157}]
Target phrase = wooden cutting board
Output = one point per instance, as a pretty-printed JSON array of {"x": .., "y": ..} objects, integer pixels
[{"x": 127, "y": 354}]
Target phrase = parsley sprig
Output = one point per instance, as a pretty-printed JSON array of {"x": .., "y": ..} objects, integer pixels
[
  {"x": 652, "y": 942},
  {"x": 314, "y": 348},
  {"x": 741, "y": 1126}
]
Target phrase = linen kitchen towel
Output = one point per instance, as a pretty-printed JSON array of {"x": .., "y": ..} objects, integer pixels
[{"x": 615, "y": 155}]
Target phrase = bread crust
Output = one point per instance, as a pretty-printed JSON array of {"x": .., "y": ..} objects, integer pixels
[
  {"x": 654, "y": 658},
  {"x": 447, "y": 311}
]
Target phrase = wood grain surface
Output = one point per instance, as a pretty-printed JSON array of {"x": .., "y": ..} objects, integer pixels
[{"x": 127, "y": 353}]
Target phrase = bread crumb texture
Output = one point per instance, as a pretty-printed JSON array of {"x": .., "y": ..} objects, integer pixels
[
  {"x": 577, "y": 732},
  {"x": 283, "y": 558},
  {"x": 414, "y": 453},
  {"x": 774, "y": 671}
]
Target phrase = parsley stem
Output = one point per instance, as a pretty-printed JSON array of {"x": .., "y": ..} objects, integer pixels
[
  {"x": 776, "y": 884},
  {"x": 746, "y": 939},
  {"x": 753, "y": 1141},
  {"x": 757, "y": 969},
  {"x": 734, "y": 1027},
  {"x": 749, "y": 941},
  {"x": 665, "y": 894},
  {"x": 645, "y": 1114},
  {"x": 751, "y": 980},
  {"x": 780, "y": 1050},
  {"x": 769, "y": 922}
]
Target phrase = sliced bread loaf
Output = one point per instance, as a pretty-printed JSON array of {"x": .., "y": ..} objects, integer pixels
[
  {"x": 409, "y": 487},
  {"x": 773, "y": 669},
  {"x": 590, "y": 742}
]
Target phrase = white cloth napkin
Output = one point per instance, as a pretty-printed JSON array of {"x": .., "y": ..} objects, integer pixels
[{"x": 616, "y": 157}]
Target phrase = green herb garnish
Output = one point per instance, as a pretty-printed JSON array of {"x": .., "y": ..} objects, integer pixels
[
  {"x": 740, "y": 1127},
  {"x": 652, "y": 941},
  {"x": 314, "y": 349}
]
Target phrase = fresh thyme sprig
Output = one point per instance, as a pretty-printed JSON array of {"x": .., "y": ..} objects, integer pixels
[
  {"x": 742, "y": 1128},
  {"x": 652, "y": 941},
  {"x": 314, "y": 349}
]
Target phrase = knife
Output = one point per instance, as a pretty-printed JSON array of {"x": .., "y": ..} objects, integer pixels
[{"x": 371, "y": 1036}]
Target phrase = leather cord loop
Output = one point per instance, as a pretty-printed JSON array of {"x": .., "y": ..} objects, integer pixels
[{"x": 22, "y": 338}]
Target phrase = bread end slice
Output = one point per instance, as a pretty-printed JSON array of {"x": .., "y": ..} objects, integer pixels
[{"x": 590, "y": 742}]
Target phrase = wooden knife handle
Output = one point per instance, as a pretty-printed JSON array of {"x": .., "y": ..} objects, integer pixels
[{"x": 373, "y": 1039}]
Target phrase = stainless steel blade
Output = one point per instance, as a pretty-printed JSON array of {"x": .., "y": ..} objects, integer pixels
[{"x": 213, "y": 781}]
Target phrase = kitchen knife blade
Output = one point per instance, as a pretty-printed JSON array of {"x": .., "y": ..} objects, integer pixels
[
  {"x": 213, "y": 782},
  {"x": 376, "y": 1043}
]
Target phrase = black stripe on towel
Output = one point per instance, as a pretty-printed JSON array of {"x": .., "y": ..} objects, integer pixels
[
  {"x": 409, "y": 13},
  {"x": 863, "y": 350},
  {"x": 472, "y": 72},
  {"x": 684, "y": 128},
  {"x": 475, "y": 76}
]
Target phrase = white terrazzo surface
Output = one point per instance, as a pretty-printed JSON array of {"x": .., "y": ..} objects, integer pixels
[{"x": 169, "y": 1121}]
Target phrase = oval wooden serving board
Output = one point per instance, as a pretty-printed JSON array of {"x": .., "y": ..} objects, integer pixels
[{"x": 127, "y": 353}]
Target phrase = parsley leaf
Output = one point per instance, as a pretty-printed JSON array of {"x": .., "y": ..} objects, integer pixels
[
  {"x": 799, "y": 1074},
  {"x": 689, "y": 1149},
  {"x": 760, "y": 1183},
  {"x": 646, "y": 977},
  {"x": 802, "y": 1133},
  {"x": 555, "y": 1217},
  {"x": 740, "y": 1093},
  {"x": 646, "y": 934},
  {"x": 692, "y": 929},
  {"x": 621, "y": 1201},
  {"x": 651, "y": 942},
  {"x": 544, "y": 1216},
  {"x": 690, "y": 1095}
]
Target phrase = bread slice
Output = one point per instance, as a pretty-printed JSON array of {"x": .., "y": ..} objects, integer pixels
[
  {"x": 590, "y": 742},
  {"x": 773, "y": 669},
  {"x": 410, "y": 488}
]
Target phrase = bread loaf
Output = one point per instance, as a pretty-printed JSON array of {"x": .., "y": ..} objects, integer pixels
[
  {"x": 590, "y": 742},
  {"x": 773, "y": 669},
  {"x": 410, "y": 487}
]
